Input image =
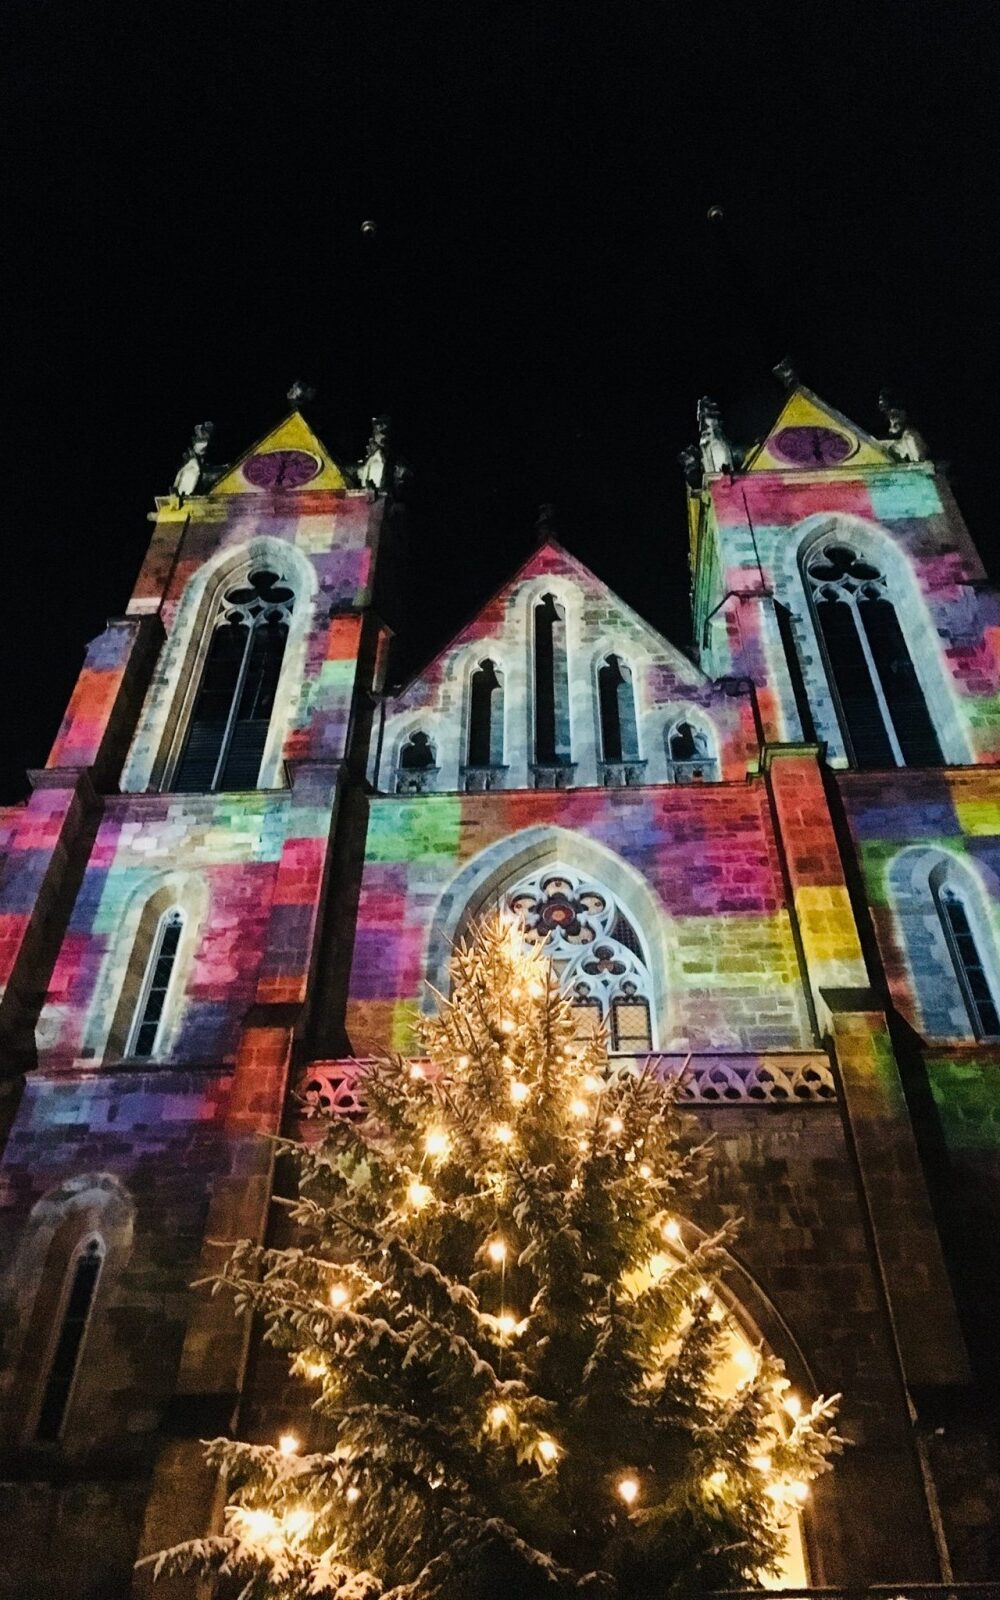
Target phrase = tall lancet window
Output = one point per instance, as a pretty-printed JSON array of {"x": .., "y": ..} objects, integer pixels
[
  {"x": 147, "y": 1023},
  {"x": 616, "y": 701},
  {"x": 231, "y": 715},
  {"x": 596, "y": 950},
  {"x": 85, "y": 1269},
  {"x": 552, "y": 747},
  {"x": 884, "y": 714},
  {"x": 968, "y": 960},
  {"x": 485, "y": 717}
]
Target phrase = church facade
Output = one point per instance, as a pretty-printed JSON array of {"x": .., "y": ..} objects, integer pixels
[{"x": 773, "y": 868}]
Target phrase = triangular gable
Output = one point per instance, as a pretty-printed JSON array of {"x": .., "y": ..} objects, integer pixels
[
  {"x": 811, "y": 436},
  {"x": 264, "y": 469},
  {"x": 551, "y": 559}
]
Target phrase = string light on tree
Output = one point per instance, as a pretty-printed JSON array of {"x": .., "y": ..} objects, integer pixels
[{"x": 467, "y": 1268}]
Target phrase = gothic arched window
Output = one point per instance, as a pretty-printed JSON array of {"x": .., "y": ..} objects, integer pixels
[
  {"x": 616, "y": 704},
  {"x": 552, "y": 747},
  {"x": 595, "y": 949},
  {"x": 227, "y": 731},
  {"x": 883, "y": 711},
  {"x": 689, "y": 753},
  {"x": 147, "y": 1021},
  {"x": 417, "y": 765},
  {"x": 84, "y": 1271},
  {"x": 485, "y": 717},
  {"x": 968, "y": 958}
]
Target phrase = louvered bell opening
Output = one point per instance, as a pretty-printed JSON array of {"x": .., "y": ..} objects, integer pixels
[
  {"x": 900, "y": 685},
  {"x": 862, "y": 712},
  {"x": 210, "y": 716},
  {"x": 67, "y": 1352},
  {"x": 241, "y": 767}
]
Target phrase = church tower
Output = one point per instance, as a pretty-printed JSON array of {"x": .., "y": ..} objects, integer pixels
[{"x": 774, "y": 870}]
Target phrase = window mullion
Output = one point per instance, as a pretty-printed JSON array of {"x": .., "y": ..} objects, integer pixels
[
  {"x": 883, "y": 704},
  {"x": 227, "y": 736}
]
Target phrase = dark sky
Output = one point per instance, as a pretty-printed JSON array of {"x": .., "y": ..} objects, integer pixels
[{"x": 183, "y": 193}]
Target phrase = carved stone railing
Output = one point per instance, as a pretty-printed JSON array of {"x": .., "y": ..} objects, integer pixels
[
  {"x": 553, "y": 774},
  {"x": 703, "y": 770},
  {"x": 622, "y": 774},
  {"x": 416, "y": 780},
  {"x": 785, "y": 1079},
  {"x": 477, "y": 779}
]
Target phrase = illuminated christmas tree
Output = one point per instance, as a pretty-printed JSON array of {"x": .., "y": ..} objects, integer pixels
[{"x": 519, "y": 1367}]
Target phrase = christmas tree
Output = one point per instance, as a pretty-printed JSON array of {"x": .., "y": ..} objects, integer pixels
[{"x": 515, "y": 1353}]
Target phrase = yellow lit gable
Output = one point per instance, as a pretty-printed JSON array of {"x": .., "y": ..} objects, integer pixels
[
  {"x": 812, "y": 437},
  {"x": 290, "y": 457}
]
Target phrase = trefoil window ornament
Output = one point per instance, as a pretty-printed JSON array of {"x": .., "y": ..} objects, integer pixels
[{"x": 594, "y": 948}]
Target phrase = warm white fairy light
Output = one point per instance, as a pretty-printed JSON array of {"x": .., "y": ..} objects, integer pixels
[
  {"x": 645, "y": 1171},
  {"x": 419, "y": 1194},
  {"x": 507, "y": 1324},
  {"x": 497, "y": 1252},
  {"x": 462, "y": 1063},
  {"x": 260, "y": 1525},
  {"x": 704, "y": 1291},
  {"x": 417, "y": 1072},
  {"x": 628, "y": 1488},
  {"x": 519, "y": 1092},
  {"x": 499, "y": 1415},
  {"x": 582, "y": 1146},
  {"x": 314, "y": 1370},
  {"x": 793, "y": 1405},
  {"x": 508, "y": 1064},
  {"x": 288, "y": 1444},
  {"x": 717, "y": 1480},
  {"x": 503, "y": 1133},
  {"x": 579, "y": 1108},
  {"x": 547, "y": 1449},
  {"x": 672, "y": 1230},
  {"x": 436, "y": 1143},
  {"x": 591, "y": 1084},
  {"x": 507, "y": 1025},
  {"x": 339, "y": 1295},
  {"x": 296, "y": 1524},
  {"x": 535, "y": 989},
  {"x": 352, "y": 1494},
  {"x": 797, "y": 1490},
  {"x": 761, "y": 1463},
  {"x": 616, "y": 1125}
]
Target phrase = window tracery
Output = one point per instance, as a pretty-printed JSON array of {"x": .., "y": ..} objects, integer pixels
[
  {"x": 968, "y": 960},
  {"x": 595, "y": 950},
  {"x": 883, "y": 709},
  {"x": 229, "y": 721},
  {"x": 689, "y": 753}
]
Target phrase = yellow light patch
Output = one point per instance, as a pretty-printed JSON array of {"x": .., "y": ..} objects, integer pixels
[
  {"x": 292, "y": 434},
  {"x": 979, "y": 815},
  {"x": 829, "y": 933}
]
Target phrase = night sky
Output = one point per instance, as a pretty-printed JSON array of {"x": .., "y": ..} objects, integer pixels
[{"x": 546, "y": 299}]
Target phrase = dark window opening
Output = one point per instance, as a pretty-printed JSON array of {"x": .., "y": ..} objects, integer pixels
[
  {"x": 485, "y": 717},
  {"x": 417, "y": 753},
  {"x": 969, "y": 966},
  {"x": 66, "y": 1357},
  {"x": 231, "y": 716},
  {"x": 551, "y": 685},
  {"x": 156, "y": 985},
  {"x": 617, "y": 712}
]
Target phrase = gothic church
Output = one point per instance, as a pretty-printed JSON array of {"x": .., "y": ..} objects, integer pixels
[{"x": 774, "y": 868}]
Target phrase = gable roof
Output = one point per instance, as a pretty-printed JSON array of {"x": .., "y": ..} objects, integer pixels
[
  {"x": 550, "y": 559},
  {"x": 804, "y": 410},
  {"x": 294, "y": 433}
]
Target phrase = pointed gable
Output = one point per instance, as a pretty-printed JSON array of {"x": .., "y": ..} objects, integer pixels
[
  {"x": 289, "y": 457},
  {"x": 811, "y": 436},
  {"x": 493, "y": 622}
]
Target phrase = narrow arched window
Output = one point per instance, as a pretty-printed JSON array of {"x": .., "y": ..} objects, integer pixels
[
  {"x": 552, "y": 746},
  {"x": 224, "y": 744},
  {"x": 967, "y": 958},
  {"x": 147, "y": 1022},
  {"x": 417, "y": 767},
  {"x": 882, "y": 707},
  {"x": 616, "y": 702},
  {"x": 485, "y": 717},
  {"x": 81, "y": 1285}
]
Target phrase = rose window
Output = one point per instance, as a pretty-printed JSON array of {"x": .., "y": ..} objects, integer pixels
[{"x": 595, "y": 950}]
